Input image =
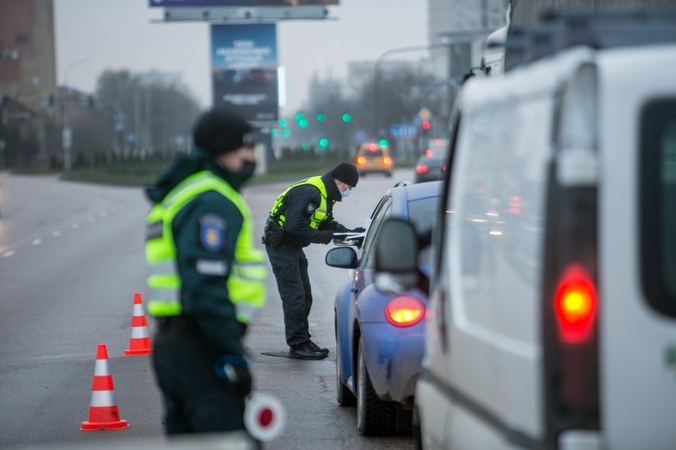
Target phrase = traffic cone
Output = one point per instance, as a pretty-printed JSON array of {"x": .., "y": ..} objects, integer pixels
[
  {"x": 139, "y": 343},
  {"x": 103, "y": 413}
]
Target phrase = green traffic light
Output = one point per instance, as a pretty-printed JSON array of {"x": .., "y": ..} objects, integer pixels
[
  {"x": 302, "y": 123},
  {"x": 283, "y": 122},
  {"x": 286, "y": 132},
  {"x": 323, "y": 143},
  {"x": 321, "y": 117},
  {"x": 273, "y": 132},
  {"x": 383, "y": 143},
  {"x": 347, "y": 117},
  {"x": 299, "y": 116}
]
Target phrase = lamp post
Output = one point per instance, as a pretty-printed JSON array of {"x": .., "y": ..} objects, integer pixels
[
  {"x": 66, "y": 133},
  {"x": 376, "y": 77}
]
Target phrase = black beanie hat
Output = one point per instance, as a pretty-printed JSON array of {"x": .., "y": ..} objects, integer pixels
[
  {"x": 346, "y": 173},
  {"x": 220, "y": 131}
]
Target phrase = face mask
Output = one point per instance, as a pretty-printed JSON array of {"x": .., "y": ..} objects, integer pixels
[
  {"x": 345, "y": 193},
  {"x": 236, "y": 179}
]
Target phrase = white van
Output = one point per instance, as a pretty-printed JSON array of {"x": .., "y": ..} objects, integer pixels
[{"x": 552, "y": 321}]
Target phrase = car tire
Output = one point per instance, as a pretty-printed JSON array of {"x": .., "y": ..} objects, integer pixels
[
  {"x": 344, "y": 395},
  {"x": 374, "y": 417}
]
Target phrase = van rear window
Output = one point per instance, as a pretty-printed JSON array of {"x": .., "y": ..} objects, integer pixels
[
  {"x": 658, "y": 205},
  {"x": 373, "y": 153}
]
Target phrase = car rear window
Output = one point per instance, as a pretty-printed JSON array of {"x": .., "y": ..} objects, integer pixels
[
  {"x": 373, "y": 153},
  {"x": 421, "y": 214},
  {"x": 658, "y": 205}
]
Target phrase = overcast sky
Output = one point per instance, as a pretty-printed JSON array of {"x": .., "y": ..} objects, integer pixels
[{"x": 95, "y": 35}]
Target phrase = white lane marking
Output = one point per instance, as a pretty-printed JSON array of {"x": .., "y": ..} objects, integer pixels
[
  {"x": 57, "y": 233},
  {"x": 36, "y": 241},
  {"x": 9, "y": 253}
]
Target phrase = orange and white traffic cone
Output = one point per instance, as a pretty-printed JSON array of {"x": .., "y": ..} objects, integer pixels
[
  {"x": 103, "y": 412},
  {"x": 139, "y": 343}
]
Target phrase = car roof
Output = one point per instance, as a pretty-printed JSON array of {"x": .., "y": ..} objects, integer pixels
[{"x": 415, "y": 191}]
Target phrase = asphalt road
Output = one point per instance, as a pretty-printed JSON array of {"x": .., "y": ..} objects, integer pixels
[{"x": 71, "y": 260}]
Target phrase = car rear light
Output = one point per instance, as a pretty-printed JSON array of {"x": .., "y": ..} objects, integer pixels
[
  {"x": 372, "y": 147},
  {"x": 404, "y": 311},
  {"x": 387, "y": 160},
  {"x": 360, "y": 160},
  {"x": 575, "y": 306},
  {"x": 428, "y": 153},
  {"x": 422, "y": 169}
]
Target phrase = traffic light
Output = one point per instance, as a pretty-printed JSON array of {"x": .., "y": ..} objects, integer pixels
[
  {"x": 286, "y": 132},
  {"x": 383, "y": 143},
  {"x": 302, "y": 123},
  {"x": 273, "y": 132},
  {"x": 346, "y": 117},
  {"x": 324, "y": 143},
  {"x": 299, "y": 116},
  {"x": 282, "y": 122},
  {"x": 321, "y": 117},
  {"x": 425, "y": 125}
]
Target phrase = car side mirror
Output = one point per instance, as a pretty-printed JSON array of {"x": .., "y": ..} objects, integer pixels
[
  {"x": 341, "y": 257},
  {"x": 396, "y": 256}
]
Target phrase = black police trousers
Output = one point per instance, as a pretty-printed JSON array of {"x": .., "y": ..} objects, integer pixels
[
  {"x": 195, "y": 399},
  {"x": 289, "y": 265}
]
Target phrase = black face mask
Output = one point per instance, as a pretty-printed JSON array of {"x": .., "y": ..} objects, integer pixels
[{"x": 237, "y": 179}]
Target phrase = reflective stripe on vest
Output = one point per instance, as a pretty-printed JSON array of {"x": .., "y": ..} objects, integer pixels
[
  {"x": 247, "y": 281},
  {"x": 318, "y": 216}
]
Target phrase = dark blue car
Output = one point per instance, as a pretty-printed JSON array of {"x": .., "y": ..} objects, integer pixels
[{"x": 380, "y": 336}]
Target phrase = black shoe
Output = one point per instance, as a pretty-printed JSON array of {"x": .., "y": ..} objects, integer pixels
[
  {"x": 304, "y": 351},
  {"x": 317, "y": 348}
]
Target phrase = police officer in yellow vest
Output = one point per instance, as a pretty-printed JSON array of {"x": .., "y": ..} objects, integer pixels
[
  {"x": 302, "y": 215},
  {"x": 208, "y": 277}
]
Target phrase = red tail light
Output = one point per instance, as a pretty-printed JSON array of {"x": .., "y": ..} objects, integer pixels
[
  {"x": 575, "y": 306},
  {"x": 360, "y": 160},
  {"x": 428, "y": 153},
  {"x": 422, "y": 169},
  {"x": 404, "y": 311}
]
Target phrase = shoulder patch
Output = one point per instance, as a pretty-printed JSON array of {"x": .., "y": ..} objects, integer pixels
[
  {"x": 212, "y": 231},
  {"x": 310, "y": 208}
]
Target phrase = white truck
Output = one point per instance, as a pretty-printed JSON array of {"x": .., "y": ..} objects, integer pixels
[{"x": 552, "y": 321}]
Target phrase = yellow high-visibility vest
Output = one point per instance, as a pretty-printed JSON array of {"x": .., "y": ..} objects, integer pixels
[
  {"x": 247, "y": 280},
  {"x": 319, "y": 214}
]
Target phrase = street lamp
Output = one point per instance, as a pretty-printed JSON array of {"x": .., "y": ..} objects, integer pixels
[
  {"x": 376, "y": 76},
  {"x": 66, "y": 133}
]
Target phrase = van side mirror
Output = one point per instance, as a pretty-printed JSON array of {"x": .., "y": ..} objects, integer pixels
[{"x": 396, "y": 256}]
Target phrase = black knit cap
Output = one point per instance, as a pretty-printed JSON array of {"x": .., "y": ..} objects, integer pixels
[
  {"x": 346, "y": 173},
  {"x": 220, "y": 131}
]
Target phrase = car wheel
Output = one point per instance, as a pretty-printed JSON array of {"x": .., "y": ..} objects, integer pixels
[
  {"x": 344, "y": 396},
  {"x": 374, "y": 417}
]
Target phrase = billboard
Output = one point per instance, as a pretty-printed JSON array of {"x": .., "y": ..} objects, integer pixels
[
  {"x": 199, "y": 3},
  {"x": 244, "y": 69}
]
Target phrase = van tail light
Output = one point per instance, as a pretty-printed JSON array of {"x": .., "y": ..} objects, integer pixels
[
  {"x": 422, "y": 169},
  {"x": 571, "y": 307},
  {"x": 387, "y": 160},
  {"x": 575, "y": 306},
  {"x": 360, "y": 160},
  {"x": 428, "y": 153},
  {"x": 404, "y": 311}
]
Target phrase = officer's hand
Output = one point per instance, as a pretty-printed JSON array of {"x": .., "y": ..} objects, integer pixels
[
  {"x": 327, "y": 236},
  {"x": 235, "y": 370},
  {"x": 358, "y": 230}
]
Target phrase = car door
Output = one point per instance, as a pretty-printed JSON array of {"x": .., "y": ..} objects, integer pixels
[{"x": 638, "y": 251}]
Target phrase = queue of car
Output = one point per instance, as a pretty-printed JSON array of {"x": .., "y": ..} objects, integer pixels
[{"x": 548, "y": 280}]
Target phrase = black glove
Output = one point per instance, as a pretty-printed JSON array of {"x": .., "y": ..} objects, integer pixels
[
  {"x": 327, "y": 236},
  {"x": 235, "y": 370},
  {"x": 358, "y": 230}
]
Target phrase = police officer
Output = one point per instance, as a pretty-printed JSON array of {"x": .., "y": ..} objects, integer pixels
[
  {"x": 208, "y": 277},
  {"x": 302, "y": 215}
]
